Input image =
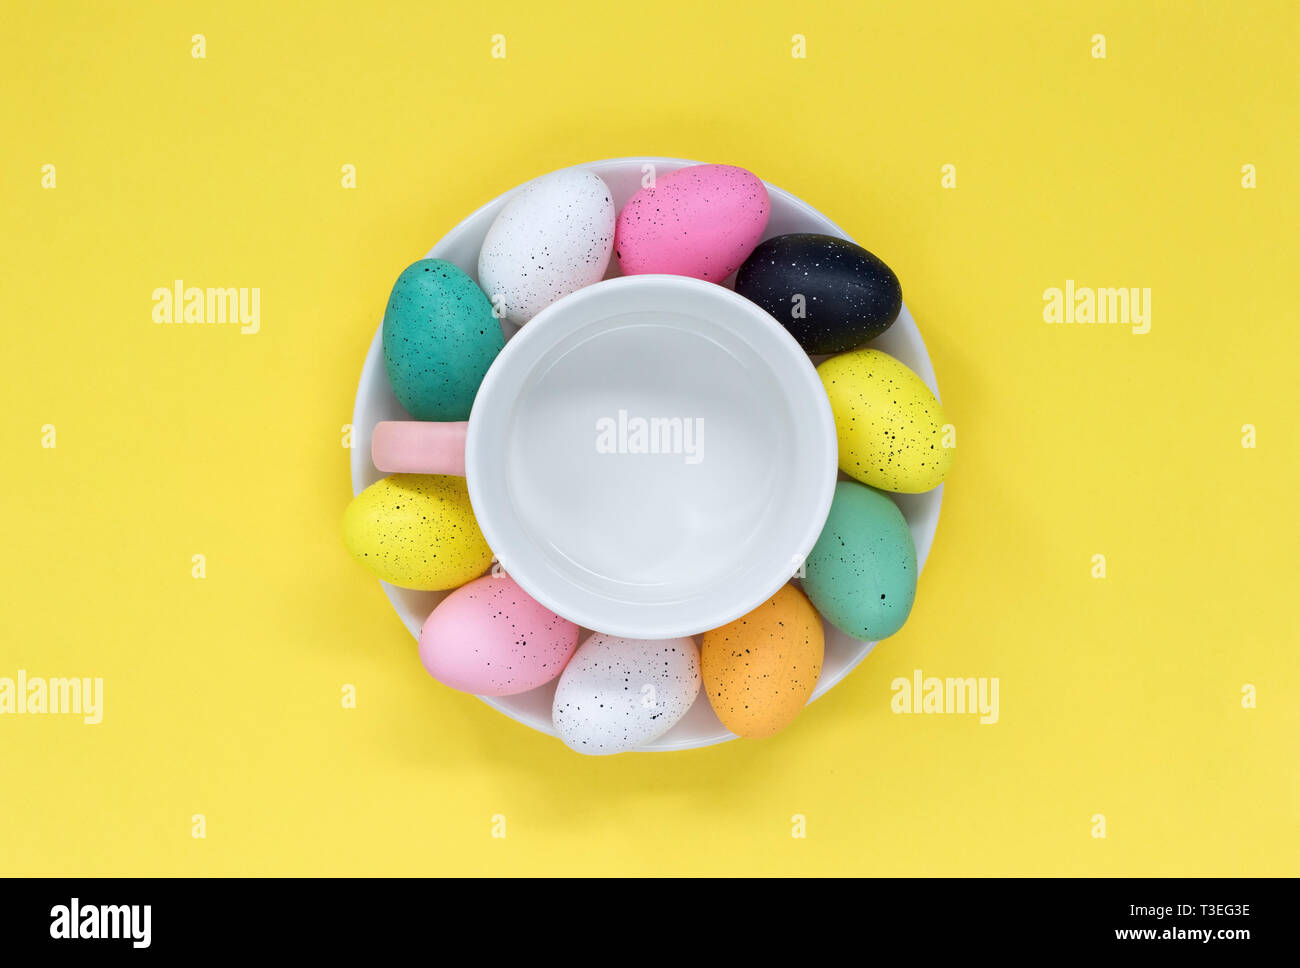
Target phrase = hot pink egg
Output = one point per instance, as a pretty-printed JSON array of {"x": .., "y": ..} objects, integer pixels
[
  {"x": 701, "y": 221},
  {"x": 490, "y": 638}
]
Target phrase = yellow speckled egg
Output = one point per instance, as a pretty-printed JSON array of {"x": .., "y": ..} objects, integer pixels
[
  {"x": 760, "y": 669},
  {"x": 417, "y": 531},
  {"x": 889, "y": 425}
]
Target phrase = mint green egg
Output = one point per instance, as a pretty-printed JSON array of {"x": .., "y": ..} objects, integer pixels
[
  {"x": 861, "y": 573},
  {"x": 440, "y": 337}
]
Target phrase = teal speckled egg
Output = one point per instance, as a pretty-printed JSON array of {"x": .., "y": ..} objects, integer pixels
[
  {"x": 440, "y": 337},
  {"x": 861, "y": 573}
]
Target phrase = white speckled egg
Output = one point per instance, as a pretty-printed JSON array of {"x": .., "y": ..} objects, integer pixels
[
  {"x": 619, "y": 694},
  {"x": 552, "y": 238}
]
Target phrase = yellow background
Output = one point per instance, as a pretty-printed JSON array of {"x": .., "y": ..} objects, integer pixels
[{"x": 222, "y": 696}]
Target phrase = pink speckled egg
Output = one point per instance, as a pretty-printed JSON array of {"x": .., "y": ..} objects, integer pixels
[
  {"x": 701, "y": 221},
  {"x": 490, "y": 638}
]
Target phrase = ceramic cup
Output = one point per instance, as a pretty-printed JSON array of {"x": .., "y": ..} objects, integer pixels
[{"x": 650, "y": 457}]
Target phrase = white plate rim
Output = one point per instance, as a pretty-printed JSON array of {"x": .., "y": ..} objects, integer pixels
[{"x": 923, "y": 519}]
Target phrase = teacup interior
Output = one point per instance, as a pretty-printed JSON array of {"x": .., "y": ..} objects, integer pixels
[{"x": 648, "y": 455}]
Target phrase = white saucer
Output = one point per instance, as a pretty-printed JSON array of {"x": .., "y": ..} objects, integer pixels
[{"x": 375, "y": 402}]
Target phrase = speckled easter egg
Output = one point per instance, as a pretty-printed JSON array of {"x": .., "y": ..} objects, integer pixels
[
  {"x": 490, "y": 638},
  {"x": 619, "y": 694},
  {"x": 701, "y": 221},
  {"x": 861, "y": 573},
  {"x": 553, "y": 237},
  {"x": 831, "y": 294},
  {"x": 760, "y": 670},
  {"x": 416, "y": 531},
  {"x": 889, "y": 425},
  {"x": 439, "y": 339}
]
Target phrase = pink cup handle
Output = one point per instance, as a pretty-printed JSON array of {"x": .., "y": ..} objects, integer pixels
[{"x": 415, "y": 447}]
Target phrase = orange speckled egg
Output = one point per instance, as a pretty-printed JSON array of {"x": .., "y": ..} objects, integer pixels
[{"x": 760, "y": 669}]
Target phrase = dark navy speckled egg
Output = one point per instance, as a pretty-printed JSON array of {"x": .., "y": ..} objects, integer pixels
[{"x": 830, "y": 294}]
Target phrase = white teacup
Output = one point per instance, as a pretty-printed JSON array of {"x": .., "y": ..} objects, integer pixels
[{"x": 650, "y": 457}]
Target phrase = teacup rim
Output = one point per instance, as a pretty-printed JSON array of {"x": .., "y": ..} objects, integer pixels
[{"x": 794, "y": 372}]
